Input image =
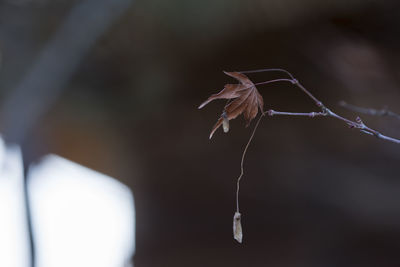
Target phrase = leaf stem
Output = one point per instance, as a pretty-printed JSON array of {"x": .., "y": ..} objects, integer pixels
[
  {"x": 269, "y": 70},
  {"x": 274, "y": 81}
]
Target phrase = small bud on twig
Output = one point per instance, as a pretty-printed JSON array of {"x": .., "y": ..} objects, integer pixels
[{"x": 225, "y": 122}]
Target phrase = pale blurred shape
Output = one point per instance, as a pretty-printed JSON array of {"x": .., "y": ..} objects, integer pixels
[
  {"x": 237, "y": 227},
  {"x": 80, "y": 217},
  {"x": 14, "y": 250}
]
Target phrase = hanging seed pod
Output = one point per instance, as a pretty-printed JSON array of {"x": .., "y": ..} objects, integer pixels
[
  {"x": 225, "y": 122},
  {"x": 237, "y": 227}
]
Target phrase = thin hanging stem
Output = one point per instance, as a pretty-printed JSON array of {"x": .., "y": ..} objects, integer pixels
[{"x": 242, "y": 161}]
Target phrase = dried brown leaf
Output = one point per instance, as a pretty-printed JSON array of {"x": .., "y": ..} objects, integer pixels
[{"x": 247, "y": 100}]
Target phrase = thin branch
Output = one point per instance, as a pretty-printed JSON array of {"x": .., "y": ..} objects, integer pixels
[
  {"x": 309, "y": 114},
  {"x": 357, "y": 124},
  {"x": 316, "y": 101},
  {"x": 325, "y": 112},
  {"x": 370, "y": 111}
]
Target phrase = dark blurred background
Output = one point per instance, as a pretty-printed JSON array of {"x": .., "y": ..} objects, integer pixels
[{"x": 315, "y": 193}]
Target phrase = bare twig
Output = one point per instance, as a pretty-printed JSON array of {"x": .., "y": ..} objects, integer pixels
[
  {"x": 370, "y": 111},
  {"x": 309, "y": 114},
  {"x": 326, "y": 112}
]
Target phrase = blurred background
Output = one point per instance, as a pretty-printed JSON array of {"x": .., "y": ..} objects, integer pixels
[{"x": 115, "y": 86}]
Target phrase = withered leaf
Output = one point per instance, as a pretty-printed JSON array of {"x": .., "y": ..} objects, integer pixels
[{"x": 246, "y": 97}]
